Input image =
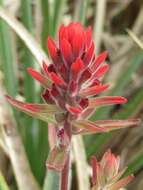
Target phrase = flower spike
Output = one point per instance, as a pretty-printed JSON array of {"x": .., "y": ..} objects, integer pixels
[{"x": 72, "y": 83}]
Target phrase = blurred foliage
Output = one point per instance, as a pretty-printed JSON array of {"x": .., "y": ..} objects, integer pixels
[{"x": 42, "y": 18}]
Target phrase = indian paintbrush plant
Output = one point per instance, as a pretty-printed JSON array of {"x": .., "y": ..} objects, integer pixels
[
  {"x": 72, "y": 82},
  {"x": 106, "y": 173}
]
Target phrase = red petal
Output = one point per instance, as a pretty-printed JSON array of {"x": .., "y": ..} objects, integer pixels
[
  {"x": 89, "y": 55},
  {"x": 57, "y": 96},
  {"x": 83, "y": 102},
  {"x": 41, "y": 78},
  {"x": 85, "y": 76},
  {"x": 77, "y": 66},
  {"x": 100, "y": 59},
  {"x": 93, "y": 90},
  {"x": 73, "y": 110},
  {"x": 106, "y": 100},
  {"x": 57, "y": 79},
  {"x": 52, "y": 49},
  {"x": 63, "y": 33},
  {"x": 47, "y": 97},
  {"x": 66, "y": 51},
  {"x": 94, "y": 164},
  {"x": 54, "y": 92},
  {"x": 73, "y": 88},
  {"x": 101, "y": 71},
  {"x": 88, "y": 37},
  {"x": 74, "y": 29},
  {"x": 77, "y": 44},
  {"x": 45, "y": 67}
]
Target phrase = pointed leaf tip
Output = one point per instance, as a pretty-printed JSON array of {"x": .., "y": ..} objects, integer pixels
[
  {"x": 52, "y": 49},
  {"x": 99, "y": 60},
  {"x": 91, "y": 91},
  {"x": 39, "y": 77},
  {"x": 77, "y": 66},
  {"x": 57, "y": 79},
  {"x": 44, "y": 112},
  {"x": 106, "y": 100},
  {"x": 73, "y": 110}
]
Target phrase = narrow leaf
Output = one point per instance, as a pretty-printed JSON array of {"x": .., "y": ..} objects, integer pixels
[
  {"x": 57, "y": 79},
  {"x": 106, "y": 100},
  {"x": 40, "y": 111},
  {"x": 87, "y": 126},
  {"x": 3, "y": 184},
  {"x": 99, "y": 60},
  {"x": 66, "y": 50},
  {"x": 121, "y": 183},
  {"x": 93, "y": 90},
  {"x": 57, "y": 158},
  {"x": 116, "y": 124},
  {"x": 52, "y": 49}
]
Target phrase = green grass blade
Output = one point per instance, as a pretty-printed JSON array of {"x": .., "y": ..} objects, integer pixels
[
  {"x": 3, "y": 184},
  {"x": 46, "y": 27},
  {"x": 80, "y": 11},
  {"x": 24, "y": 35},
  {"x": 52, "y": 181},
  {"x": 59, "y": 9},
  {"x": 135, "y": 165},
  {"x": 29, "y": 92},
  {"x": 7, "y": 58}
]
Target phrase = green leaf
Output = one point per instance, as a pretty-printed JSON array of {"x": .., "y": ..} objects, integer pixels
[
  {"x": 7, "y": 58},
  {"x": 135, "y": 165},
  {"x": 80, "y": 11},
  {"x": 3, "y": 184},
  {"x": 59, "y": 9},
  {"x": 52, "y": 180}
]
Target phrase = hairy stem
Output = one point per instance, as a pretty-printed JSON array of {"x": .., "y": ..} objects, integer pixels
[
  {"x": 66, "y": 171},
  {"x": 65, "y": 175}
]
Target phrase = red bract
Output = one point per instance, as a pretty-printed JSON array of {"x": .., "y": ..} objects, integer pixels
[
  {"x": 71, "y": 82},
  {"x": 106, "y": 173}
]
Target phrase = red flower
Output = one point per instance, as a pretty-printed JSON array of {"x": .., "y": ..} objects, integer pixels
[
  {"x": 71, "y": 83},
  {"x": 106, "y": 173}
]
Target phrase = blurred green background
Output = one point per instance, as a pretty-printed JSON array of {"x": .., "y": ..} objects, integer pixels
[{"x": 109, "y": 20}]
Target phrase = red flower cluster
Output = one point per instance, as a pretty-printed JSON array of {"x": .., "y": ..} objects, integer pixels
[
  {"x": 72, "y": 82},
  {"x": 106, "y": 173}
]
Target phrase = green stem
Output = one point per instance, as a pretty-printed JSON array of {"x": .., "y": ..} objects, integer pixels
[{"x": 52, "y": 180}]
